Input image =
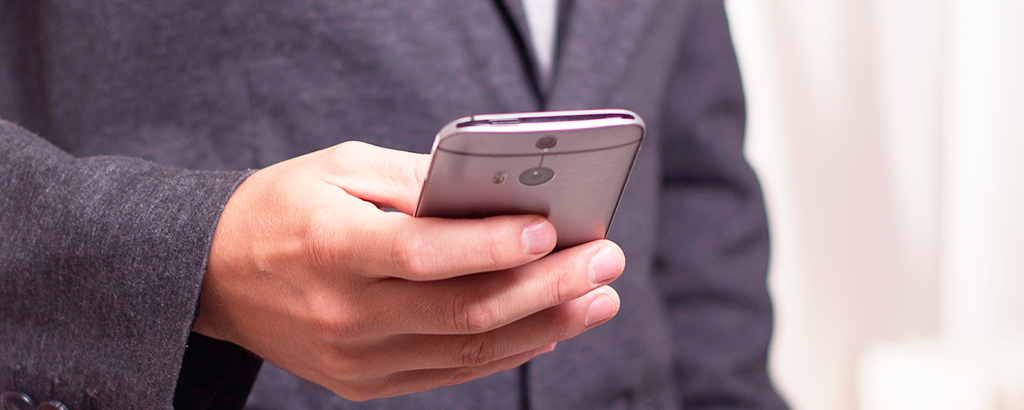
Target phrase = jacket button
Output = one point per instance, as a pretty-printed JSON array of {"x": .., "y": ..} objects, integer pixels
[
  {"x": 53, "y": 405},
  {"x": 16, "y": 401}
]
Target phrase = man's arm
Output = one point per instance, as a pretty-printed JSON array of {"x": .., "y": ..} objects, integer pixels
[
  {"x": 713, "y": 246},
  {"x": 214, "y": 374},
  {"x": 101, "y": 262}
]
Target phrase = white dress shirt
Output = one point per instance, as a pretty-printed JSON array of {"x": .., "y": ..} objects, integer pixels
[{"x": 542, "y": 18}]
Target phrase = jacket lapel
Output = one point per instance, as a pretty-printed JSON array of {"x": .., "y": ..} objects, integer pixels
[
  {"x": 597, "y": 40},
  {"x": 516, "y": 12},
  {"x": 516, "y": 15},
  {"x": 596, "y": 44}
]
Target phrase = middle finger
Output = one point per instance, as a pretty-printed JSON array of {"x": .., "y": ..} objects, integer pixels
[{"x": 479, "y": 303}]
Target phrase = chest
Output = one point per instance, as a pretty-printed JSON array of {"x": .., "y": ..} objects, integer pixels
[{"x": 235, "y": 83}]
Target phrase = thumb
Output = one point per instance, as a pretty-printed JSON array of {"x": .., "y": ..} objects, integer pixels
[{"x": 386, "y": 177}]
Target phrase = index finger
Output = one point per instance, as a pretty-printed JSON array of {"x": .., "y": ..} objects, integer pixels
[{"x": 425, "y": 249}]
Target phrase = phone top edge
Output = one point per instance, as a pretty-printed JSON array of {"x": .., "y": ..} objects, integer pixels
[
  {"x": 446, "y": 130},
  {"x": 534, "y": 154},
  {"x": 539, "y": 121},
  {"x": 547, "y": 117}
]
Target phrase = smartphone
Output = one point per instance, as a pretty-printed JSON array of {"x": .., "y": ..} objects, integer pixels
[{"x": 569, "y": 166}]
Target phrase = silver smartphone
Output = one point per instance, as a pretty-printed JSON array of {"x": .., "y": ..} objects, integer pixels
[{"x": 569, "y": 166}]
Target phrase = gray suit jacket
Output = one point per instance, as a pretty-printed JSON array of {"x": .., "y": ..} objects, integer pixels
[{"x": 151, "y": 111}]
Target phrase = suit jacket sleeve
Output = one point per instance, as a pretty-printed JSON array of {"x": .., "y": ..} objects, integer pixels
[
  {"x": 713, "y": 244},
  {"x": 101, "y": 261}
]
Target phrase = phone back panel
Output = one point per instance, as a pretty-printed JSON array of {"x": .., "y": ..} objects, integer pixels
[{"x": 487, "y": 170}]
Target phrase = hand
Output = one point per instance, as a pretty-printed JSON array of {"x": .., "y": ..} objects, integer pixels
[{"x": 307, "y": 272}]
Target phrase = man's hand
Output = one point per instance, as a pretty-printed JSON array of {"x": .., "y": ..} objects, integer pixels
[{"x": 307, "y": 272}]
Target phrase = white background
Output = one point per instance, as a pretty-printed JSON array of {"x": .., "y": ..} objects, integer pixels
[{"x": 888, "y": 135}]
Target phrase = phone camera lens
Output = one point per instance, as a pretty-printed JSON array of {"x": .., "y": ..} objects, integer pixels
[
  {"x": 547, "y": 142},
  {"x": 536, "y": 176}
]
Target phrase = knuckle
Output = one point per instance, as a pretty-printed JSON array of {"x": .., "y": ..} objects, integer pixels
[
  {"x": 346, "y": 158},
  {"x": 340, "y": 153},
  {"x": 479, "y": 350},
  {"x": 328, "y": 329},
  {"x": 332, "y": 326},
  {"x": 562, "y": 290},
  {"x": 408, "y": 251},
  {"x": 470, "y": 314},
  {"x": 350, "y": 147},
  {"x": 494, "y": 247}
]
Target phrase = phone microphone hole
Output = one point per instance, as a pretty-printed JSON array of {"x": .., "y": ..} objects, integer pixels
[{"x": 499, "y": 177}]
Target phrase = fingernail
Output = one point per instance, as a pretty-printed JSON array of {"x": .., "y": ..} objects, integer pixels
[
  {"x": 601, "y": 309},
  {"x": 544, "y": 349},
  {"x": 604, "y": 266},
  {"x": 538, "y": 237}
]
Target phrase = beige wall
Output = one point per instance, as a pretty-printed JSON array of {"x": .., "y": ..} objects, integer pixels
[{"x": 889, "y": 138}]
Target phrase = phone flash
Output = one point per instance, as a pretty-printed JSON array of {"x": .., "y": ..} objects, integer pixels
[{"x": 499, "y": 177}]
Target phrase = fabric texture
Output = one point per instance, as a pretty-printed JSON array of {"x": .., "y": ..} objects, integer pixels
[
  {"x": 102, "y": 259},
  {"x": 160, "y": 107}
]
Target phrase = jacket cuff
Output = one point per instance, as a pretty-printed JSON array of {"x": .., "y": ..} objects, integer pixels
[
  {"x": 215, "y": 375},
  {"x": 101, "y": 263}
]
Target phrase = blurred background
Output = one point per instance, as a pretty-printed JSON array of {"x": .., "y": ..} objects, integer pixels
[{"x": 889, "y": 135}]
